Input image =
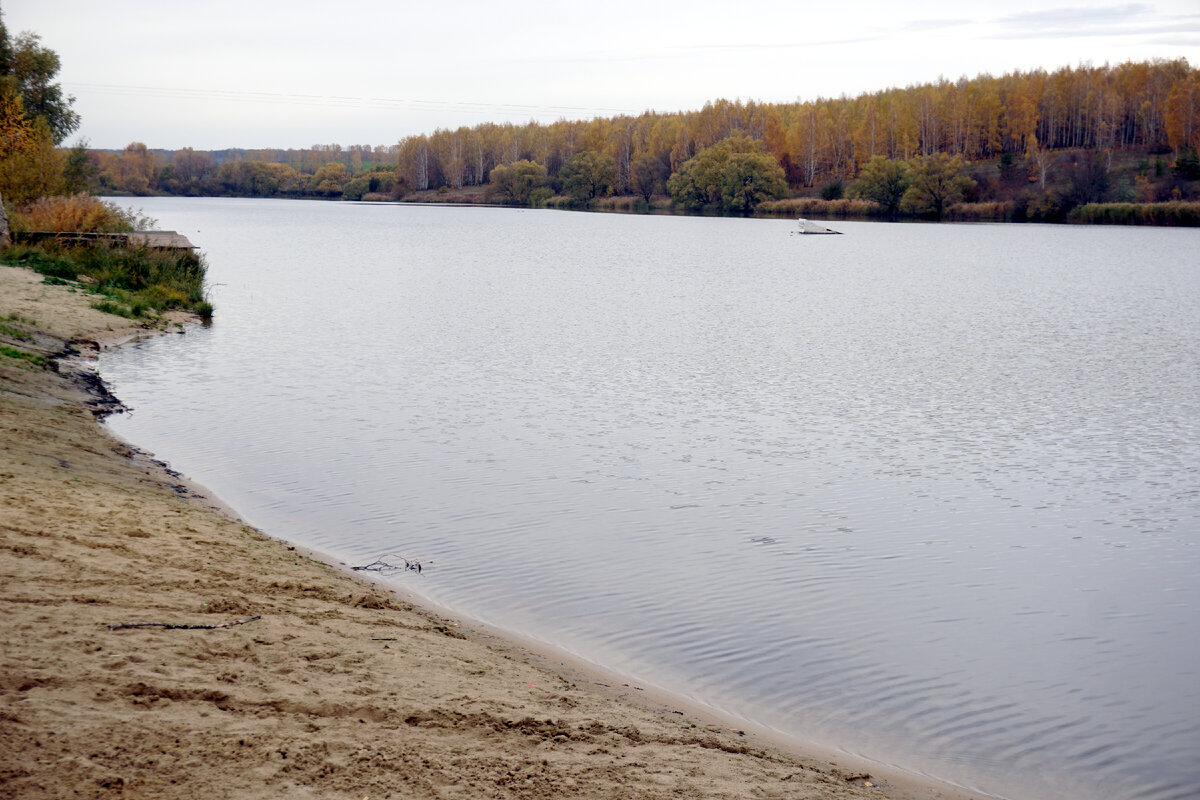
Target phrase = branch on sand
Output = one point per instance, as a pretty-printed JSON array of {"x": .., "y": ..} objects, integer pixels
[
  {"x": 172, "y": 626},
  {"x": 390, "y": 564}
]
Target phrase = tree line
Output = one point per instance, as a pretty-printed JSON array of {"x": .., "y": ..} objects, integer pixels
[
  {"x": 325, "y": 171},
  {"x": 1049, "y": 140},
  {"x": 1033, "y": 123},
  {"x": 1152, "y": 106}
]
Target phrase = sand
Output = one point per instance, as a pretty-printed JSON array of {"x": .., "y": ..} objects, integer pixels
[{"x": 334, "y": 687}]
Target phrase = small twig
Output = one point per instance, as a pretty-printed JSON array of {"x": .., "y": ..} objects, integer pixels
[{"x": 172, "y": 626}]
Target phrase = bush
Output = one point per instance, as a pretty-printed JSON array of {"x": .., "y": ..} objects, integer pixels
[
  {"x": 1187, "y": 166},
  {"x": 834, "y": 190},
  {"x": 77, "y": 213},
  {"x": 137, "y": 280}
]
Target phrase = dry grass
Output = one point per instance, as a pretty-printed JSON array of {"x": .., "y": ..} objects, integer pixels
[{"x": 75, "y": 213}]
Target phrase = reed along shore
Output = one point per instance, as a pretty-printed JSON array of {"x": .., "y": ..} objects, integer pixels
[{"x": 154, "y": 646}]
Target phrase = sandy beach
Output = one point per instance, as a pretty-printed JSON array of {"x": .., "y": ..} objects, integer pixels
[{"x": 267, "y": 673}]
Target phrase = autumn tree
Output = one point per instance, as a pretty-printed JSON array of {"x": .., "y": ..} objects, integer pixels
[
  {"x": 1183, "y": 114},
  {"x": 328, "y": 180},
  {"x": 30, "y": 165},
  {"x": 192, "y": 170},
  {"x": 134, "y": 171},
  {"x": 935, "y": 184},
  {"x": 34, "y": 116},
  {"x": 1041, "y": 161},
  {"x": 16, "y": 130},
  {"x": 883, "y": 181}
]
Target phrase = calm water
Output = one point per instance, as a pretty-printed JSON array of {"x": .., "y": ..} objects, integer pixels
[{"x": 930, "y": 494}]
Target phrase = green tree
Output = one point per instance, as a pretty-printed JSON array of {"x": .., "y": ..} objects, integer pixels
[
  {"x": 356, "y": 187},
  {"x": 588, "y": 175},
  {"x": 1187, "y": 166},
  {"x": 517, "y": 183},
  {"x": 80, "y": 170},
  {"x": 936, "y": 185},
  {"x": 882, "y": 181},
  {"x": 834, "y": 190},
  {"x": 1088, "y": 179},
  {"x": 750, "y": 178},
  {"x": 258, "y": 179},
  {"x": 381, "y": 180},
  {"x": 733, "y": 175},
  {"x": 30, "y": 72},
  {"x": 649, "y": 176}
]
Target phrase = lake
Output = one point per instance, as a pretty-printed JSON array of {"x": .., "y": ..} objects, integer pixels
[{"x": 929, "y": 494}]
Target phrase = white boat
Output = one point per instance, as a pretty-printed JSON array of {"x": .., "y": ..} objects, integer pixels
[{"x": 808, "y": 226}]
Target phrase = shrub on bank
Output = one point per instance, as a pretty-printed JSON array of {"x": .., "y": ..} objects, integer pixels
[
  {"x": 76, "y": 213},
  {"x": 134, "y": 281}
]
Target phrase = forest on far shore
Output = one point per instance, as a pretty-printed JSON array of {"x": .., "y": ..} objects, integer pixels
[{"x": 1025, "y": 145}]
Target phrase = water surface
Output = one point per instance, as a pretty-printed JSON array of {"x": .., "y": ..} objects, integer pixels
[{"x": 926, "y": 493}]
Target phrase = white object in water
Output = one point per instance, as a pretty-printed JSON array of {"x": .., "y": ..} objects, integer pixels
[{"x": 808, "y": 226}]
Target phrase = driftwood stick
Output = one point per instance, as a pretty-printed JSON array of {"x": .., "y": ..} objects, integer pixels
[
  {"x": 172, "y": 626},
  {"x": 390, "y": 564}
]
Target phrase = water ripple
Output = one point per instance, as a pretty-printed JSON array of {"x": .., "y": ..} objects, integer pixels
[{"x": 931, "y": 495}]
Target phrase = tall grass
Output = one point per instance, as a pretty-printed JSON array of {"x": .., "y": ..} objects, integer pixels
[
  {"x": 822, "y": 209},
  {"x": 1175, "y": 214},
  {"x": 135, "y": 281},
  {"x": 992, "y": 211}
]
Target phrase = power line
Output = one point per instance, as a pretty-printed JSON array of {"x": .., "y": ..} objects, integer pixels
[{"x": 343, "y": 101}]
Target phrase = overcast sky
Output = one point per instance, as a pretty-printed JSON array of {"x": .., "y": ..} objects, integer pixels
[{"x": 273, "y": 73}]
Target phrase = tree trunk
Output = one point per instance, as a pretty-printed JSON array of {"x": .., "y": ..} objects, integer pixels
[{"x": 5, "y": 232}]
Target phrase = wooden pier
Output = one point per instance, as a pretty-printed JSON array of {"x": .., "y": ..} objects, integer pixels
[{"x": 156, "y": 240}]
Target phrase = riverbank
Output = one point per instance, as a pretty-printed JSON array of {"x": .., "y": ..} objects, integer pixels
[{"x": 298, "y": 680}]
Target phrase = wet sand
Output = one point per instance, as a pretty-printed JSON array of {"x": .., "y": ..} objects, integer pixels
[{"x": 304, "y": 681}]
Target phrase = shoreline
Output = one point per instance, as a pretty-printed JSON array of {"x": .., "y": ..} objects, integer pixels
[
  {"x": 306, "y": 679},
  {"x": 1158, "y": 214}
]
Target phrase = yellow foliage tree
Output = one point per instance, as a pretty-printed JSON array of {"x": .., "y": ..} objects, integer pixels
[
  {"x": 1183, "y": 114},
  {"x": 30, "y": 166}
]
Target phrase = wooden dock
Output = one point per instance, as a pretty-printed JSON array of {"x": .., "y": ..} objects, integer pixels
[{"x": 157, "y": 240}]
